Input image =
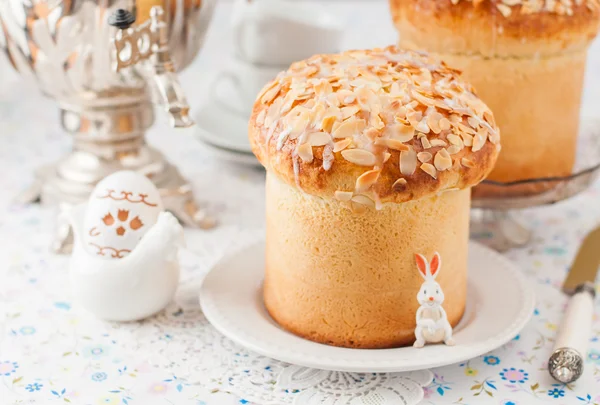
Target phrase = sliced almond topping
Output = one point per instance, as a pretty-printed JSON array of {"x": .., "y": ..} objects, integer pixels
[
  {"x": 433, "y": 121},
  {"x": 467, "y": 139},
  {"x": 494, "y": 138},
  {"x": 399, "y": 185},
  {"x": 349, "y": 111},
  {"x": 270, "y": 94},
  {"x": 343, "y": 195},
  {"x": 483, "y": 131},
  {"x": 283, "y": 136},
  {"x": 327, "y": 123},
  {"x": 323, "y": 88},
  {"x": 395, "y": 90},
  {"x": 434, "y": 126},
  {"x": 422, "y": 127},
  {"x": 366, "y": 180},
  {"x": 455, "y": 118},
  {"x": 345, "y": 96},
  {"x": 364, "y": 200},
  {"x": 335, "y": 126},
  {"x": 305, "y": 152},
  {"x": 318, "y": 113},
  {"x": 467, "y": 163},
  {"x": 305, "y": 96},
  {"x": 400, "y": 132},
  {"x": 328, "y": 157},
  {"x": 372, "y": 134},
  {"x": 360, "y": 125},
  {"x": 444, "y": 124},
  {"x": 421, "y": 98},
  {"x": 345, "y": 129},
  {"x": 288, "y": 101},
  {"x": 424, "y": 157},
  {"x": 401, "y": 113},
  {"x": 478, "y": 142},
  {"x": 473, "y": 122},
  {"x": 392, "y": 144},
  {"x": 365, "y": 105},
  {"x": 442, "y": 160},
  {"x": 359, "y": 157},
  {"x": 364, "y": 96},
  {"x": 489, "y": 117},
  {"x": 402, "y": 121},
  {"x": 260, "y": 118},
  {"x": 429, "y": 169},
  {"x": 319, "y": 139},
  {"x": 465, "y": 128},
  {"x": 455, "y": 140},
  {"x": 332, "y": 100},
  {"x": 341, "y": 145},
  {"x": 273, "y": 112},
  {"x": 394, "y": 105},
  {"x": 414, "y": 118},
  {"x": 411, "y": 106},
  {"x": 358, "y": 208},
  {"x": 504, "y": 9},
  {"x": 454, "y": 149},
  {"x": 408, "y": 162},
  {"x": 376, "y": 121}
]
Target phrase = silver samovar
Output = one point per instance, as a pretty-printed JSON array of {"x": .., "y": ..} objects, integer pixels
[{"x": 106, "y": 62}]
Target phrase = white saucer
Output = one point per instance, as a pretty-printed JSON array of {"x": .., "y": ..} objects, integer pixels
[
  {"x": 499, "y": 304},
  {"x": 222, "y": 127}
]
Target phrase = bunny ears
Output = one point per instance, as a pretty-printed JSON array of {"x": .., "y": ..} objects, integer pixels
[{"x": 431, "y": 269}]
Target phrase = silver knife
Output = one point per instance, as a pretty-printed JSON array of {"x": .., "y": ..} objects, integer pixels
[{"x": 570, "y": 347}]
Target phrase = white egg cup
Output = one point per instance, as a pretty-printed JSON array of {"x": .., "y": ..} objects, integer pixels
[{"x": 133, "y": 287}]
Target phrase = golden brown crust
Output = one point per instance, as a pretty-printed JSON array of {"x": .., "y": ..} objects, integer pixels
[
  {"x": 388, "y": 125},
  {"x": 495, "y": 28},
  {"x": 313, "y": 179},
  {"x": 349, "y": 279},
  {"x": 401, "y": 338}
]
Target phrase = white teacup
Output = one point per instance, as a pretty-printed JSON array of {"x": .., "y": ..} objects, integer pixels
[
  {"x": 237, "y": 86},
  {"x": 279, "y": 32}
]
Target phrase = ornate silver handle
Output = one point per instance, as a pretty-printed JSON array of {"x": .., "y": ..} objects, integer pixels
[{"x": 150, "y": 41}]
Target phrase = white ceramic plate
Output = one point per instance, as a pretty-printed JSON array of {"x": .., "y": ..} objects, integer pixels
[
  {"x": 499, "y": 304},
  {"x": 222, "y": 127}
]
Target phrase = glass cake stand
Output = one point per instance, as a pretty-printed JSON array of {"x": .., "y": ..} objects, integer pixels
[{"x": 495, "y": 215}]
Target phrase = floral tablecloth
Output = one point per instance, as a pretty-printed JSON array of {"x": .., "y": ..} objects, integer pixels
[{"x": 51, "y": 351}]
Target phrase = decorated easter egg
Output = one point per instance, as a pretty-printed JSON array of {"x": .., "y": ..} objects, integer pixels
[{"x": 121, "y": 209}]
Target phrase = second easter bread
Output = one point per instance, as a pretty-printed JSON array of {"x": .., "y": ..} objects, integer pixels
[{"x": 526, "y": 60}]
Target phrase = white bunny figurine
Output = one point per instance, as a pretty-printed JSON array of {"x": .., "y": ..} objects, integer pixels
[{"x": 432, "y": 321}]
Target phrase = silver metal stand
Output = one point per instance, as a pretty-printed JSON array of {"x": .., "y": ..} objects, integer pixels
[{"x": 106, "y": 88}]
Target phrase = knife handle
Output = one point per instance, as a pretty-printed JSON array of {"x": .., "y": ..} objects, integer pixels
[{"x": 570, "y": 347}]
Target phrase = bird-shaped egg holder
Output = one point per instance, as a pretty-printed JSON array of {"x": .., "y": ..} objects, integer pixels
[{"x": 124, "y": 264}]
